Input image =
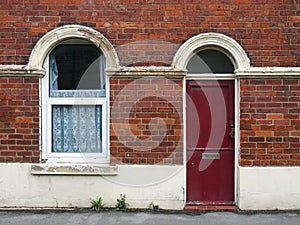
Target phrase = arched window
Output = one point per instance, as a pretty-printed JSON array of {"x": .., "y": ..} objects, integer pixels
[
  {"x": 210, "y": 61},
  {"x": 75, "y": 104},
  {"x": 74, "y": 93}
]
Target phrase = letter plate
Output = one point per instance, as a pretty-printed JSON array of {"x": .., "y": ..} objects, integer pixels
[{"x": 210, "y": 155}]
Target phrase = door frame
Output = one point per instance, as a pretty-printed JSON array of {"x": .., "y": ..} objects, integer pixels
[{"x": 215, "y": 77}]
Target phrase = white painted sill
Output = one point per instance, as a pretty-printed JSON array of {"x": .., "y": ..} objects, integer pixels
[{"x": 74, "y": 169}]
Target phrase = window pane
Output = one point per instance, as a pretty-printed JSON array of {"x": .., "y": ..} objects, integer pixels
[
  {"x": 77, "y": 129},
  {"x": 75, "y": 68},
  {"x": 210, "y": 61}
]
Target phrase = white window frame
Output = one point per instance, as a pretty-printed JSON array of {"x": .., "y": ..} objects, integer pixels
[{"x": 48, "y": 102}]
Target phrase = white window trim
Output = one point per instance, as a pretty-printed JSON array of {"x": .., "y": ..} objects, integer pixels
[
  {"x": 46, "y": 112},
  {"x": 210, "y": 76}
]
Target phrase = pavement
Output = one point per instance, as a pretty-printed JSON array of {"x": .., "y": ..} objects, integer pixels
[{"x": 87, "y": 217}]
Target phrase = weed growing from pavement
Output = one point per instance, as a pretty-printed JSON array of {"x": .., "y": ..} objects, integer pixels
[
  {"x": 153, "y": 207},
  {"x": 121, "y": 203},
  {"x": 97, "y": 204}
]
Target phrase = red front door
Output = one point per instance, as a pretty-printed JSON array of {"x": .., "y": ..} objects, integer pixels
[{"x": 210, "y": 142}]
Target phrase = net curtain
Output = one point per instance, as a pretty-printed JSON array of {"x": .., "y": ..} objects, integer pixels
[{"x": 76, "y": 129}]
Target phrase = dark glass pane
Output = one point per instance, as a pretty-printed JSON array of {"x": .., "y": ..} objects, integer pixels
[
  {"x": 78, "y": 67},
  {"x": 210, "y": 61}
]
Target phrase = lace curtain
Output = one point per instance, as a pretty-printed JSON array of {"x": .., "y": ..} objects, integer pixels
[{"x": 76, "y": 129}]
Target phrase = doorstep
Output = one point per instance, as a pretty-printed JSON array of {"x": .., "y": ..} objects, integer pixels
[{"x": 210, "y": 207}]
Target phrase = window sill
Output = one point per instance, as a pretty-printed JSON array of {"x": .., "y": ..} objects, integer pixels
[{"x": 74, "y": 169}]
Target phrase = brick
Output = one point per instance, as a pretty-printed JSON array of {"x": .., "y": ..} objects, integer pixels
[
  {"x": 256, "y": 139},
  {"x": 281, "y": 145},
  {"x": 258, "y": 151},
  {"x": 291, "y": 139},
  {"x": 281, "y": 133},
  {"x": 263, "y": 133},
  {"x": 275, "y": 116},
  {"x": 246, "y": 162}
]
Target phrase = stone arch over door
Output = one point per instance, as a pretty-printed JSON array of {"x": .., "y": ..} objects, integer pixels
[{"x": 217, "y": 41}]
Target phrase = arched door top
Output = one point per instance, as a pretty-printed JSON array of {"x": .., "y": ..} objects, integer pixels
[{"x": 217, "y": 41}]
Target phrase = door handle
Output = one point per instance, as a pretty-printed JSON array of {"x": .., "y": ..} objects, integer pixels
[{"x": 232, "y": 132}]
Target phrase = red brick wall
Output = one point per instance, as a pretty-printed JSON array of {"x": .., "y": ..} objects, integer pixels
[
  {"x": 147, "y": 33},
  {"x": 270, "y": 122},
  {"x": 267, "y": 30},
  {"x": 134, "y": 103},
  {"x": 19, "y": 119}
]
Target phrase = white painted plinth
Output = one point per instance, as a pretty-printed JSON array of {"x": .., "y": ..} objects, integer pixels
[
  {"x": 269, "y": 188},
  {"x": 141, "y": 184}
]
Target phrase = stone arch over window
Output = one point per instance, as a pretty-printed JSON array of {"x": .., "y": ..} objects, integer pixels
[
  {"x": 215, "y": 41},
  {"x": 53, "y": 38},
  {"x": 74, "y": 93}
]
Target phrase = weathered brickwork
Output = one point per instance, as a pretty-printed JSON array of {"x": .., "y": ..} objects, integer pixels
[
  {"x": 146, "y": 121},
  {"x": 19, "y": 119},
  {"x": 146, "y": 125},
  {"x": 267, "y": 30},
  {"x": 270, "y": 122}
]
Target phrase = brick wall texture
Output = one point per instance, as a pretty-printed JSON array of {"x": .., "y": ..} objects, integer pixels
[
  {"x": 145, "y": 32},
  {"x": 268, "y": 30},
  {"x": 151, "y": 111},
  {"x": 19, "y": 119},
  {"x": 270, "y": 122}
]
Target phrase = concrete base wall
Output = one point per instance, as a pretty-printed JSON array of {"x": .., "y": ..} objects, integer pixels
[
  {"x": 268, "y": 188},
  {"x": 142, "y": 184},
  {"x": 259, "y": 188}
]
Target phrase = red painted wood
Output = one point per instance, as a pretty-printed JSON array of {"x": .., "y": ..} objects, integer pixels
[{"x": 214, "y": 102}]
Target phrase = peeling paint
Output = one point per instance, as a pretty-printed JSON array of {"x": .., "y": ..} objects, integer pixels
[
  {"x": 268, "y": 72},
  {"x": 141, "y": 71},
  {"x": 21, "y": 70},
  {"x": 54, "y": 37},
  {"x": 61, "y": 169}
]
